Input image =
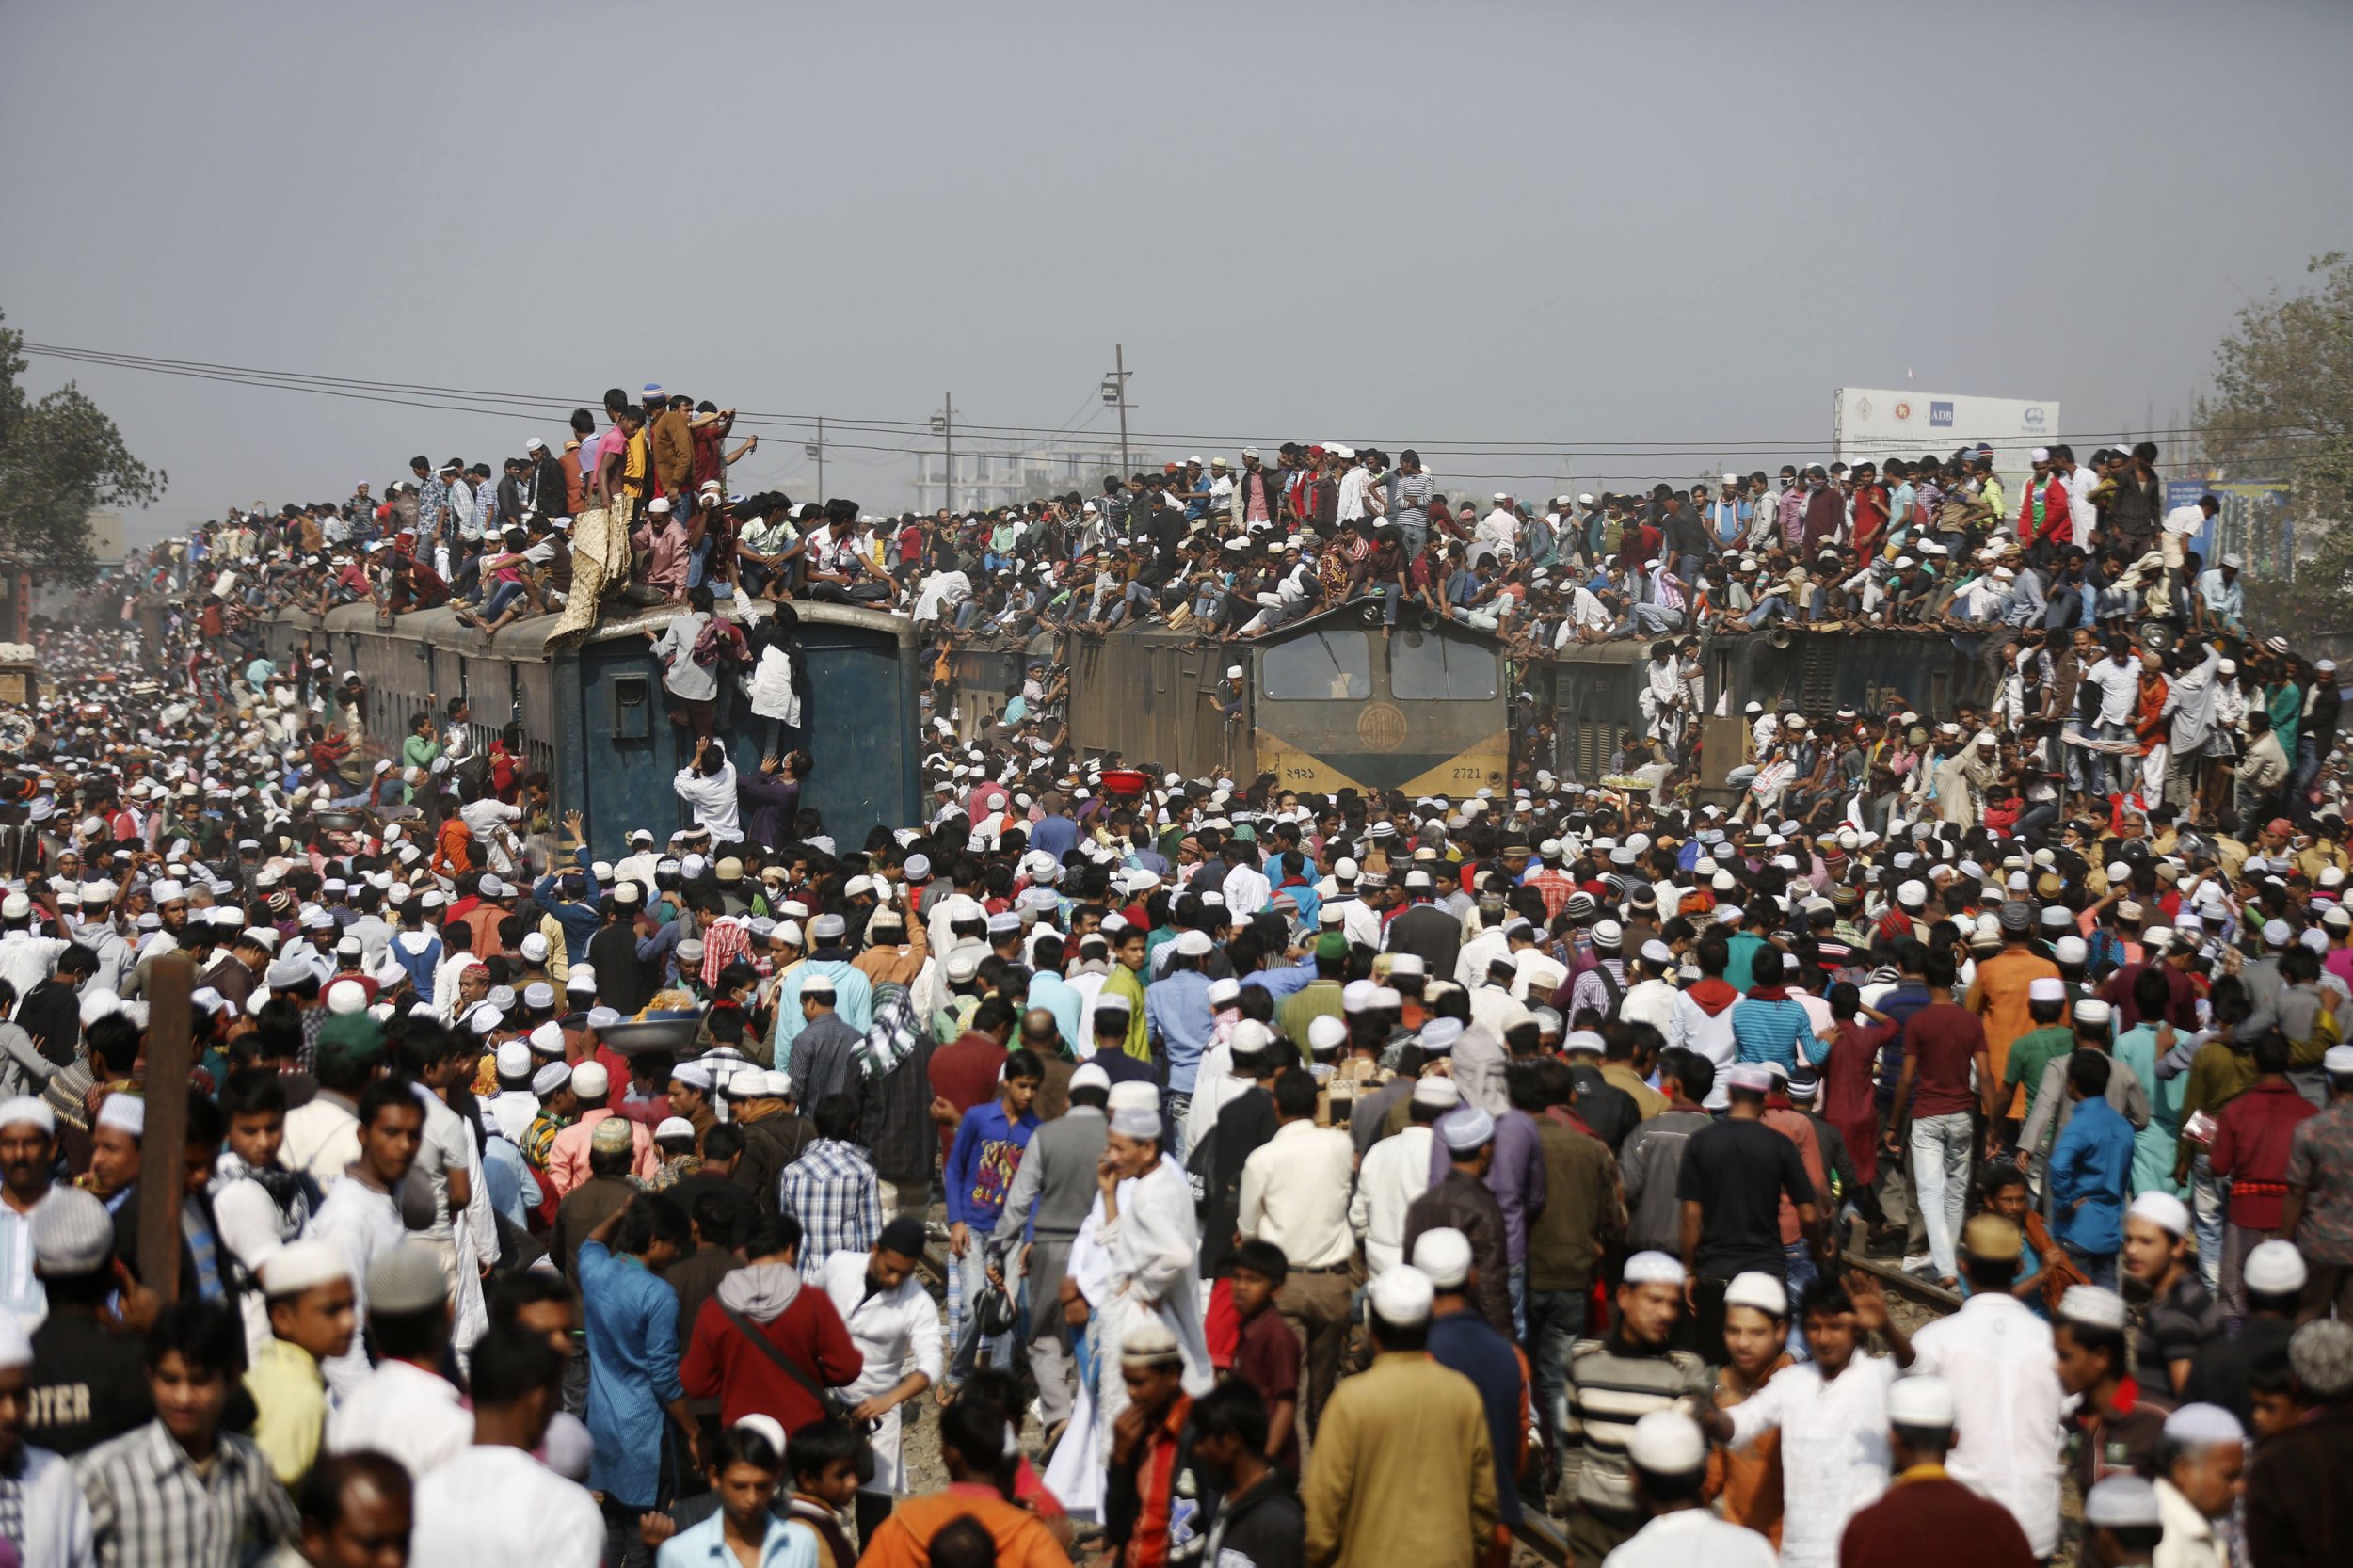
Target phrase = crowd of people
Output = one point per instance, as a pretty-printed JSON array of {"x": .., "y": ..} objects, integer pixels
[{"x": 1227, "y": 1174}]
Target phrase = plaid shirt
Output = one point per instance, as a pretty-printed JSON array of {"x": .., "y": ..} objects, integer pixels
[
  {"x": 836, "y": 1195},
  {"x": 149, "y": 1508}
]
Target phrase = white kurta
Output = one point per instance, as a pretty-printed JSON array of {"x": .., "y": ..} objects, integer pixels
[
  {"x": 1834, "y": 1449},
  {"x": 898, "y": 1333}
]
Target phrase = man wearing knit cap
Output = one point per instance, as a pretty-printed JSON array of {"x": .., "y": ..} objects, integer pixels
[
  {"x": 2181, "y": 1315},
  {"x": 2123, "y": 1523},
  {"x": 1460, "y": 1338},
  {"x": 1460, "y": 1200},
  {"x": 567, "y": 1157},
  {"x": 89, "y": 1378},
  {"x": 2116, "y": 1422},
  {"x": 1925, "y": 1505},
  {"x": 2224, "y": 1371},
  {"x": 1757, "y": 1336},
  {"x": 308, "y": 1286},
  {"x": 2253, "y": 1146},
  {"x": 2295, "y": 1488},
  {"x": 2200, "y": 1464},
  {"x": 1403, "y": 1470},
  {"x": 1614, "y": 1382},
  {"x": 1147, "y": 1224},
  {"x": 1666, "y": 1456}
]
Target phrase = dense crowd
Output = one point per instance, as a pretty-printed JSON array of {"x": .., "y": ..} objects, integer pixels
[{"x": 1233, "y": 1174}]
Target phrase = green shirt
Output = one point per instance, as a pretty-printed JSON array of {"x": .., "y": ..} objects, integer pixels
[{"x": 2029, "y": 1054}]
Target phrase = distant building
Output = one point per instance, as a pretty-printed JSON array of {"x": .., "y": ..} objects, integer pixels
[{"x": 988, "y": 478}]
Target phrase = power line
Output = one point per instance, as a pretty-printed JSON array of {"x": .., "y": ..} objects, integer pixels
[{"x": 538, "y": 407}]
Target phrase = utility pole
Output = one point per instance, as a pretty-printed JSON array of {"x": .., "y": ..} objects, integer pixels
[
  {"x": 1115, "y": 392},
  {"x": 944, "y": 426},
  {"x": 817, "y": 449}
]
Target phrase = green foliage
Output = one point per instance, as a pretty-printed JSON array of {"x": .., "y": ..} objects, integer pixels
[
  {"x": 60, "y": 457},
  {"x": 2282, "y": 403}
]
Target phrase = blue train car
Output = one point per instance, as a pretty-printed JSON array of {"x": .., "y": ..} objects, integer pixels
[{"x": 593, "y": 718}]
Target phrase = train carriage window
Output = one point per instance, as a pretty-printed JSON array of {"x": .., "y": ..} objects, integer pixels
[
  {"x": 1322, "y": 666},
  {"x": 1423, "y": 665}
]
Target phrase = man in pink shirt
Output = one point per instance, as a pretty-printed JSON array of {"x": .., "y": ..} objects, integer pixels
[{"x": 568, "y": 1160}]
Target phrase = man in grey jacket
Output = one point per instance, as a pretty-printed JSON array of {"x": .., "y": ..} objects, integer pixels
[{"x": 1052, "y": 1189}]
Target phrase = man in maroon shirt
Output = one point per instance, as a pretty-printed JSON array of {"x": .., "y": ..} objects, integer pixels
[
  {"x": 1267, "y": 1355},
  {"x": 1943, "y": 1043},
  {"x": 1925, "y": 1510},
  {"x": 2250, "y": 1150},
  {"x": 964, "y": 1074}
]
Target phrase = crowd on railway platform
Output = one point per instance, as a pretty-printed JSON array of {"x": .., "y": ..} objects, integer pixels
[{"x": 1321, "y": 1177}]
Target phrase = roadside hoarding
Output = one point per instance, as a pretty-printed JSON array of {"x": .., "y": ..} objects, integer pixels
[
  {"x": 2255, "y": 522},
  {"x": 1879, "y": 423}
]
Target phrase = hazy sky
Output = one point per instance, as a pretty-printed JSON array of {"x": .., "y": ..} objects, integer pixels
[{"x": 1537, "y": 223}]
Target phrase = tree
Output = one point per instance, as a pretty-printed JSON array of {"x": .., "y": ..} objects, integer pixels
[
  {"x": 2283, "y": 405},
  {"x": 60, "y": 457}
]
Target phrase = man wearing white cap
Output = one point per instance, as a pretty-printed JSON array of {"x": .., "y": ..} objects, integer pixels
[
  {"x": 1149, "y": 1243},
  {"x": 46, "y": 1517},
  {"x": 2252, "y": 1149},
  {"x": 1052, "y": 1189},
  {"x": 2116, "y": 1424},
  {"x": 1832, "y": 1414},
  {"x": 308, "y": 1286},
  {"x": 1461, "y": 1340},
  {"x": 1667, "y": 1457},
  {"x": 1927, "y": 1509},
  {"x": 2182, "y": 1316},
  {"x": 28, "y": 1147},
  {"x": 1612, "y": 1383},
  {"x": 1460, "y": 1199},
  {"x": 2199, "y": 1465},
  {"x": 1402, "y": 1470},
  {"x": 1394, "y": 1171}
]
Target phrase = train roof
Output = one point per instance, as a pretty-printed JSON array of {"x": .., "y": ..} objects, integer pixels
[
  {"x": 1358, "y": 614},
  {"x": 528, "y": 640}
]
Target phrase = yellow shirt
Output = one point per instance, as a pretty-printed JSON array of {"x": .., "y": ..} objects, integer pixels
[{"x": 290, "y": 1400}]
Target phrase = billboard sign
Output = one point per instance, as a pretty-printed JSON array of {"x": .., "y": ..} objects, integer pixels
[
  {"x": 2255, "y": 525},
  {"x": 1879, "y": 423}
]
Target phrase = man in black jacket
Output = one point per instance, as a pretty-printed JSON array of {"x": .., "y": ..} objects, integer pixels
[
  {"x": 1259, "y": 1519},
  {"x": 1461, "y": 1200}
]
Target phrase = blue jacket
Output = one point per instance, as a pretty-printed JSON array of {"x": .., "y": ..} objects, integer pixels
[
  {"x": 982, "y": 1162},
  {"x": 578, "y": 917},
  {"x": 2092, "y": 1172}
]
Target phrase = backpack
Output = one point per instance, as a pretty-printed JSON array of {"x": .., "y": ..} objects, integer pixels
[{"x": 718, "y": 644}]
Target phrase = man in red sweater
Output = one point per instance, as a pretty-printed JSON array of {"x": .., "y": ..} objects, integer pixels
[
  {"x": 964, "y": 1072},
  {"x": 2250, "y": 1148},
  {"x": 762, "y": 1320},
  {"x": 1926, "y": 1511}
]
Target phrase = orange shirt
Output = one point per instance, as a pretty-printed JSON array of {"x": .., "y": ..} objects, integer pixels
[
  {"x": 1999, "y": 997},
  {"x": 1749, "y": 1478},
  {"x": 903, "y": 1539}
]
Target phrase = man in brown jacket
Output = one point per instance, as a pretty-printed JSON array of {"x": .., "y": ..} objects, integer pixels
[{"x": 673, "y": 442}]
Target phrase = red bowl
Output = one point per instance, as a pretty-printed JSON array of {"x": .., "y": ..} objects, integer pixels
[{"x": 1126, "y": 782}]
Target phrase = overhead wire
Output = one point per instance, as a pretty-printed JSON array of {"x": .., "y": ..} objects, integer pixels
[{"x": 894, "y": 435}]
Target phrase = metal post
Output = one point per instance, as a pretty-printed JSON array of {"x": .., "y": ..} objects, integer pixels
[
  {"x": 1119, "y": 369},
  {"x": 948, "y": 433},
  {"x": 162, "y": 1143},
  {"x": 821, "y": 456}
]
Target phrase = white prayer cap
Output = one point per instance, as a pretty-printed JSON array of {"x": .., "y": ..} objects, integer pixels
[
  {"x": 590, "y": 1081},
  {"x": 2047, "y": 987},
  {"x": 1652, "y": 1268},
  {"x": 1089, "y": 1076},
  {"x": 1666, "y": 1443},
  {"x": 1401, "y": 1296},
  {"x": 2203, "y": 1423},
  {"x": 1442, "y": 1093},
  {"x": 2275, "y": 1269},
  {"x": 1758, "y": 1290},
  {"x": 1467, "y": 1129},
  {"x": 2092, "y": 1306},
  {"x": 16, "y": 1346},
  {"x": 2164, "y": 1210},
  {"x": 2120, "y": 1501},
  {"x": 1326, "y": 1034},
  {"x": 25, "y": 1108},
  {"x": 297, "y": 1266},
  {"x": 1445, "y": 1255},
  {"x": 1925, "y": 1402},
  {"x": 124, "y": 1112}
]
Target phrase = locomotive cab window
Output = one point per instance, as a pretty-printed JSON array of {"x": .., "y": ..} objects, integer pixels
[
  {"x": 1424, "y": 665},
  {"x": 1322, "y": 666}
]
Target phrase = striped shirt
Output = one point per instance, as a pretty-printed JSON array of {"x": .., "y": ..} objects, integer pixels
[
  {"x": 1612, "y": 1386},
  {"x": 151, "y": 1507}
]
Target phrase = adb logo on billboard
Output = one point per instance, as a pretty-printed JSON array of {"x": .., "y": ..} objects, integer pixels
[
  {"x": 2035, "y": 418},
  {"x": 1940, "y": 416}
]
